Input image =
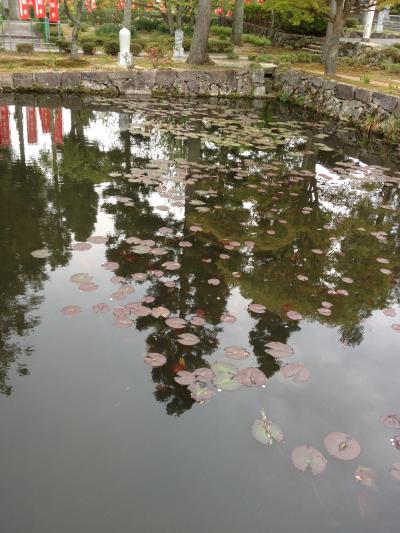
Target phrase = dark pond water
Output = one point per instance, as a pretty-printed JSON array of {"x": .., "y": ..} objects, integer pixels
[{"x": 253, "y": 223}]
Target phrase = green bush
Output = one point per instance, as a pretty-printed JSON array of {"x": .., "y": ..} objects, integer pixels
[
  {"x": 108, "y": 29},
  {"x": 136, "y": 48},
  {"x": 89, "y": 48},
  {"x": 391, "y": 52},
  {"x": 351, "y": 23},
  {"x": 111, "y": 47},
  {"x": 64, "y": 45},
  {"x": 219, "y": 47},
  {"x": 307, "y": 57},
  {"x": 150, "y": 24},
  {"x": 233, "y": 55},
  {"x": 389, "y": 66},
  {"x": 221, "y": 31},
  {"x": 24, "y": 48},
  {"x": 84, "y": 27},
  {"x": 257, "y": 40}
]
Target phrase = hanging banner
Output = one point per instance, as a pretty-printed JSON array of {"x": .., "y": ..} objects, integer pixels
[
  {"x": 23, "y": 9},
  {"x": 4, "y": 126},
  {"x": 31, "y": 125},
  {"x": 58, "y": 126},
  {"x": 40, "y": 8},
  {"x": 53, "y": 13},
  {"x": 44, "y": 114}
]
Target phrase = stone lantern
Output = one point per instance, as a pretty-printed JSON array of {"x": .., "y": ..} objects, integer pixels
[{"x": 125, "y": 56}]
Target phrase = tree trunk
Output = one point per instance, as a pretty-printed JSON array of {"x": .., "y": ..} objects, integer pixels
[
  {"x": 178, "y": 17},
  {"x": 198, "y": 54},
  {"x": 76, "y": 20},
  {"x": 127, "y": 20},
  {"x": 237, "y": 26},
  {"x": 13, "y": 10},
  {"x": 170, "y": 18},
  {"x": 332, "y": 40}
]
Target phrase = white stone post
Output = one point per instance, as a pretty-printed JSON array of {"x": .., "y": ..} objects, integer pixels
[
  {"x": 369, "y": 20},
  {"x": 125, "y": 56}
]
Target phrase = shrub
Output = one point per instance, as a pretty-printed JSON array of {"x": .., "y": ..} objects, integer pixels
[
  {"x": 221, "y": 31},
  {"x": 111, "y": 47},
  {"x": 389, "y": 66},
  {"x": 24, "y": 48},
  {"x": 307, "y": 57},
  {"x": 159, "y": 56},
  {"x": 365, "y": 79},
  {"x": 351, "y": 23},
  {"x": 64, "y": 45},
  {"x": 233, "y": 55},
  {"x": 150, "y": 24},
  {"x": 84, "y": 27},
  {"x": 108, "y": 29},
  {"x": 219, "y": 47},
  {"x": 89, "y": 48},
  {"x": 257, "y": 40},
  {"x": 391, "y": 52},
  {"x": 136, "y": 48}
]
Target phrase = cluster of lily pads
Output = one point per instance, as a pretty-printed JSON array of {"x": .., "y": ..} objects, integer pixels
[{"x": 165, "y": 248}]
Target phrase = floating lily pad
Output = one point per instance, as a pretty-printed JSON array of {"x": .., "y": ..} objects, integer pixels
[
  {"x": 155, "y": 359},
  {"x": 266, "y": 432},
  {"x": 342, "y": 446},
  {"x": 304, "y": 457}
]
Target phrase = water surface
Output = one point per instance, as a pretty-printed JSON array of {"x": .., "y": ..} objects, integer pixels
[{"x": 253, "y": 195}]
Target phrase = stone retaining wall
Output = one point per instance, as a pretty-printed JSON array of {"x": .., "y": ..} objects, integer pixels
[
  {"x": 339, "y": 100},
  {"x": 241, "y": 83}
]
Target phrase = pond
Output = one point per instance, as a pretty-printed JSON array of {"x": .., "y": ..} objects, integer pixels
[{"x": 199, "y": 320}]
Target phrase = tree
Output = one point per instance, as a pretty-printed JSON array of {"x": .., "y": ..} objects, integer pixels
[
  {"x": 237, "y": 26},
  {"x": 127, "y": 21},
  {"x": 198, "y": 54},
  {"x": 13, "y": 10},
  {"x": 76, "y": 21}
]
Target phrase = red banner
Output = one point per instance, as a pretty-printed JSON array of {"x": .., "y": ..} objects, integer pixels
[
  {"x": 53, "y": 13},
  {"x": 31, "y": 125},
  {"x": 23, "y": 9},
  {"x": 45, "y": 117},
  {"x": 40, "y": 8},
  {"x": 58, "y": 126},
  {"x": 4, "y": 126}
]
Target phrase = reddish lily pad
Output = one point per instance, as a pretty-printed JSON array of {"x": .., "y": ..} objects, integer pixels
[
  {"x": 297, "y": 372},
  {"x": 342, "y": 446},
  {"x": 236, "y": 352},
  {"x": 175, "y": 322},
  {"x": 155, "y": 359},
  {"x": 279, "y": 350},
  {"x": 391, "y": 421},
  {"x": 304, "y": 457},
  {"x": 188, "y": 339},
  {"x": 97, "y": 239},
  {"x": 257, "y": 308},
  {"x": 100, "y": 308},
  {"x": 294, "y": 315},
  {"x": 81, "y": 246},
  {"x": 71, "y": 310},
  {"x": 252, "y": 377}
]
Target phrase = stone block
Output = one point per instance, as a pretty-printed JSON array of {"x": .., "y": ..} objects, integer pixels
[
  {"x": 23, "y": 81},
  {"x": 363, "y": 95},
  {"x": 329, "y": 85},
  {"x": 385, "y": 101},
  {"x": 138, "y": 82},
  {"x": 344, "y": 91},
  {"x": 50, "y": 81},
  {"x": 6, "y": 82},
  {"x": 70, "y": 81}
]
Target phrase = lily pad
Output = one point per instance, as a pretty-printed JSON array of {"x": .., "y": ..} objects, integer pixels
[
  {"x": 266, "y": 432},
  {"x": 304, "y": 457},
  {"x": 342, "y": 446},
  {"x": 155, "y": 359}
]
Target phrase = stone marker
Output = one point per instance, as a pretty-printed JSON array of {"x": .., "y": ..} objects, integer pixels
[{"x": 179, "y": 52}]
